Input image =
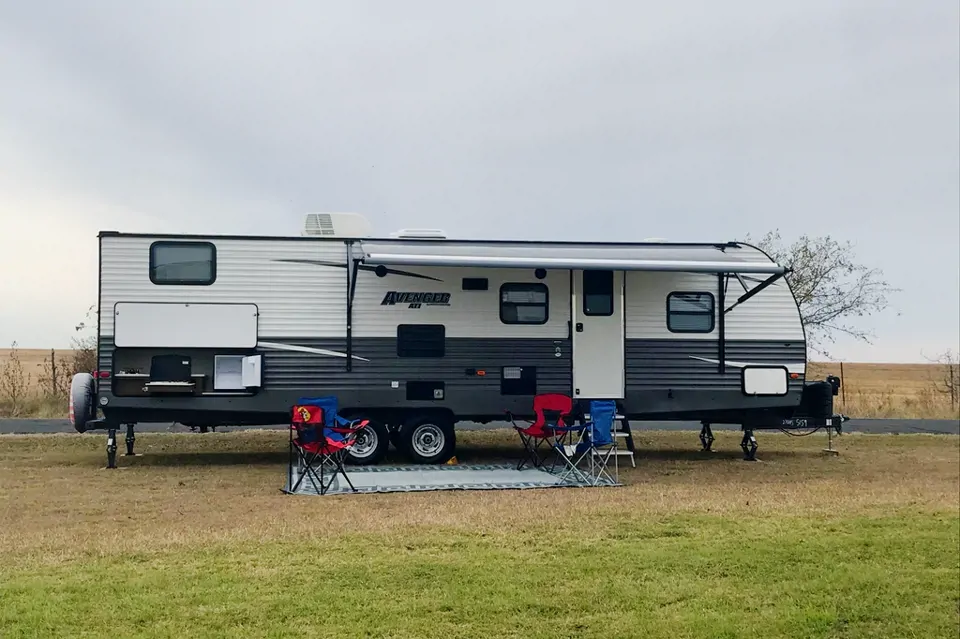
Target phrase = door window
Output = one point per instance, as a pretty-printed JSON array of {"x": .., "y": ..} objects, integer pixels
[{"x": 598, "y": 293}]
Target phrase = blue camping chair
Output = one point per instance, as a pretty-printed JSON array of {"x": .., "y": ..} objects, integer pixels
[{"x": 588, "y": 463}]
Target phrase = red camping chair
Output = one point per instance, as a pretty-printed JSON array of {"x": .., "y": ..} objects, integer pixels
[
  {"x": 553, "y": 411},
  {"x": 320, "y": 445}
]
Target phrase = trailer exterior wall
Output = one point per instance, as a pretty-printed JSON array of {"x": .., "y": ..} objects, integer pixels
[{"x": 300, "y": 288}]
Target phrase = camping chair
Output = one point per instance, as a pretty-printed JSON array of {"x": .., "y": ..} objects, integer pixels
[
  {"x": 322, "y": 439},
  {"x": 597, "y": 443},
  {"x": 552, "y": 411}
]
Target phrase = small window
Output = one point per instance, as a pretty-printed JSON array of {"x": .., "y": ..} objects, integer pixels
[
  {"x": 598, "y": 293},
  {"x": 185, "y": 263},
  {"x": 475, "y": 284},
  {"x": 421, "y": 340},
  {"x": 690, "y": 312},
  {"x": 523, "y": 304}
]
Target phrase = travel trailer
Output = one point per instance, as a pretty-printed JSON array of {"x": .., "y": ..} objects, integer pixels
[{"x": 417, "y": 332}]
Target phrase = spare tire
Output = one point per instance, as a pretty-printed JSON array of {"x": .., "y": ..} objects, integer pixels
[{"x": 83, "y": 407}]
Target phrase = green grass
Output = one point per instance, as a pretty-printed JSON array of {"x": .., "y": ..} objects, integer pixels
[
  {"x": 800, "y": 545},
  {"x": 693, "y": 576}
]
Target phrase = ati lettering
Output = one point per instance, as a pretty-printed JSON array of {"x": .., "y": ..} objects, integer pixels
[{"x": 416, "y": 300}]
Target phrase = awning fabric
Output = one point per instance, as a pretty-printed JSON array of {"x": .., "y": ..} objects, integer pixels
[{"x": 691, "y": 258}]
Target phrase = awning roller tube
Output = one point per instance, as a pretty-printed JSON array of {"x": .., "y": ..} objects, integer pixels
[{"x": 617, "y": 264}]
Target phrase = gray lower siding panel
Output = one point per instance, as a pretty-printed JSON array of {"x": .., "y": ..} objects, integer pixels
[
  {"x": 662, "y": 377},
  {"x": 665, "y": 378}
]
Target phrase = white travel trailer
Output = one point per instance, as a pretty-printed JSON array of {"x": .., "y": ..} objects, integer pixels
[{"x": 417, "y": 332}]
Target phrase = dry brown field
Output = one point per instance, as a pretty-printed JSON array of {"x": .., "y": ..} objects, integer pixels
[{"x": 908, "y": 391}]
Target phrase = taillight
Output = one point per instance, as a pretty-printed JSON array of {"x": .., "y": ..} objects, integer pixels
[{"x": 101, "y": 374}]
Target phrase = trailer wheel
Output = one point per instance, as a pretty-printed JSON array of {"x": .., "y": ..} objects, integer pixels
[
  {"x": 428, "y": 439},
  {"x": 371, "y": 444}
]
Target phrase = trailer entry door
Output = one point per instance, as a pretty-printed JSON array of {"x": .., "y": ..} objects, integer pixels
[{"x": 598, "y": 334}]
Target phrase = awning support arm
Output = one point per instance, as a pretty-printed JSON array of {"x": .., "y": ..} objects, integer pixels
[
  {"x": 756, "y": 289},
  {"x": 721, "y": 329},
  {"x": 352, "y": 267}
]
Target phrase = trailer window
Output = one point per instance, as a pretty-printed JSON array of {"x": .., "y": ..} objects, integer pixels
[
  {"x": 598, "y": 293},
  {"x": 184, "y": 263},
  {"x": 524, "y": 303},
  {"x": 421, "y": 340},
  {"x": 690, "y": 312}
]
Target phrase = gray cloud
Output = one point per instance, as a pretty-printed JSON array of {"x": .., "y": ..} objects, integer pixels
[{"x": 694, "y": 121}]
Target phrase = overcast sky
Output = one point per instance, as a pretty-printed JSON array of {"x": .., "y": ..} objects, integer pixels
[{"x": 548, "y": 119}]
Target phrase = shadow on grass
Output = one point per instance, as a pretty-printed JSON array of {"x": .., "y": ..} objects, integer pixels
[{"x": 466, "y": 454}]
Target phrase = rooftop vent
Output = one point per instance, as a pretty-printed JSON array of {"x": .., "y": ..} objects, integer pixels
[
  {"x": 434, "y": 234},
  {"x": 336, "y": 225}
]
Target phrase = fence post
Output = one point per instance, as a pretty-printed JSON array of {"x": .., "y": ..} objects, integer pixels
[
  {"x": 53, "y": 373},
  {"x": 843, "y": 387}
]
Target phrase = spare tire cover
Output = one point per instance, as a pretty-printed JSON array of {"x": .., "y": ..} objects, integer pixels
[{"x": 82, "y": 401}]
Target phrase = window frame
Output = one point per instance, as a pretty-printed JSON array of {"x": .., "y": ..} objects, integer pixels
[
  {"x": 712, "y": 314},
  {"x": 152, "y": 266},
  {"x": 528, "y": 287},
  {"x": 613, "y": 281}
]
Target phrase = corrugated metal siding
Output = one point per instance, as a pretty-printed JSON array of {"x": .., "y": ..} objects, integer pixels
[
  {"x": 771, "y": 314},
  {"x": 671, "y": 363},
  {"x": 293, "y": 299},
  {"x": 287, "y": 369},
  {"x": 470, "y": 314}
]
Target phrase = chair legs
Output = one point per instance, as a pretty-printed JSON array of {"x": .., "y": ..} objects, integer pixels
[
  {"x": 321, "y": 469},
  {"x": 531, "y": 451}
]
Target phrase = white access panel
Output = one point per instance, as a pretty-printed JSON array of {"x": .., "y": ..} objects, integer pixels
[
  {"x": 764, "y": 380},
  {"x": 184, "y": 325},
  {"x": 598, "y": 345}
]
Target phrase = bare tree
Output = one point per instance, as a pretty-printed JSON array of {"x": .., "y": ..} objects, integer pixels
[
  {"x": 55, "y": 376},
  {"x": 14, "y": 382},
  {"x": 832, "y": 288},
  {"x": 948, "y": 374},
  {"x": 85, "y": 344}
]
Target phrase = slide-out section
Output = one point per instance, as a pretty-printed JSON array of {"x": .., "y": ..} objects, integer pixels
[{"x": 184, "y": 325}]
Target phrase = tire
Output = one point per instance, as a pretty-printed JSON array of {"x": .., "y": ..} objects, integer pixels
[
  {"x": 427, "y": 439},
  {"x": 370, "y": 446},
  {"x": 82, "y": 407}
]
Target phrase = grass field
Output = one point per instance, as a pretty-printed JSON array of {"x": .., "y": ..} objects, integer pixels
[{"x": 194, "y": 539}]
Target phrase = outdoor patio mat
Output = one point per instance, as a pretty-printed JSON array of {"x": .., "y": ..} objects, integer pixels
[{"x": 412, "y": 478}]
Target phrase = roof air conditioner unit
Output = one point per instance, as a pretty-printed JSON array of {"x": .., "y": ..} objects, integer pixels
[
  {"x": 433, "y": 234},
  {"x": 336, "y": 225}
]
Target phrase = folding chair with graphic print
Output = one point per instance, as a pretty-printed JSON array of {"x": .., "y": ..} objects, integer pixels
[
  {"x": 552, "y": 411},
  {"x": 319, "y": 438},
  {"x": 586, "y": 461}
]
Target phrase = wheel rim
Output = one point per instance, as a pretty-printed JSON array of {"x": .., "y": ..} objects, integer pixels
[
  {"x": 428, "y": 440},
  {"x": 365, "y": 443}
]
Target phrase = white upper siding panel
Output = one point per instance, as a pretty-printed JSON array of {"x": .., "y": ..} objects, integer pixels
[
  {"x": 294, "y": 299},
  {"x": 769, "y": 315},
  {"x": 470, "y": 314}
]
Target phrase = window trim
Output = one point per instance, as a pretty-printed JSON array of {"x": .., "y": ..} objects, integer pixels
[
  {"x": 152, "y": 266},
  {"x": 712, "y": 314},
  {"x": 529, "y": 286},
  {"x": 613, "y": 304}
]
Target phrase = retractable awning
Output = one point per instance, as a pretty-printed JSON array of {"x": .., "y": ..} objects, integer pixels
[{"x": 691, "y": 258}]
